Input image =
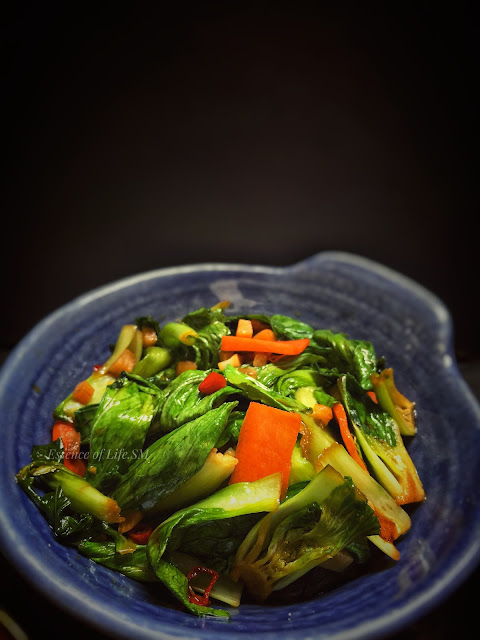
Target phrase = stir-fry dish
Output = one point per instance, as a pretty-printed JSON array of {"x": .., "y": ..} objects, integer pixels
[{"x": 226, "y": 456}]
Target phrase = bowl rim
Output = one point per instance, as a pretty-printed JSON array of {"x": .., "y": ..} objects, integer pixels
[{"x": 429, "y": 598}]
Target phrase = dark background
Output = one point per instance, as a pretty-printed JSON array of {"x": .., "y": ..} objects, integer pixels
[
  {"x": 152, "y": 135},
  {"x": 148, "y": 136}
]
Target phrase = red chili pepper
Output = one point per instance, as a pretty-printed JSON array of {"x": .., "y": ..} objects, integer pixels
[
  {"x": 70, "y": 438},
  {"x": 213, "y": 382},
  {"x": 192, "y": 596},
  {"x": 140, "y": 533}
]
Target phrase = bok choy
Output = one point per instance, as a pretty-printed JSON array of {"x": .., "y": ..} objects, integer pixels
[{"x": 221, "y": 476}]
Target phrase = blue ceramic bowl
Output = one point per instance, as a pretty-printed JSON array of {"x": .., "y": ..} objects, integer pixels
[{"x": 406, "y": 324}]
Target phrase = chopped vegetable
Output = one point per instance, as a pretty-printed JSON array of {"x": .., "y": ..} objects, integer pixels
[
  {"x": 174, "y": 334},
  {"x": 380, "y": 439},
  {"x": 83, "y": 392},
  {"x": 155, "y": 359},
  {"x": 83, "y": 497},
  {"x": 140, "y": 533},
  {"x": 322, "y": 414},
  {"x": 225, "y": 589},
  {"x": 203, "y": 455},
  {"x": 126, "y": 361},
  {"x": 70, "y": 438},
  {"x": 171, "y": 460},
  {"x": 185, "y": 365},
  {"x": 244, "y": 328},
  {"x": 260, "y": 359},
  {"x": 306, "y": 530},
  {"x": 395, "y": 403},
  {"x": 235, "y": 501},
  {"x": 203, "y": 600},
  {"x": 126, "y": 339},
  {"x": 284, "y": 347},
  {"x": 217, "y": 469},
  {"x": 67, "y": 409},
  {"x": 265, "y": 334},
  {"x": 234, "y": 361},
  {"x": 119, "y": 429},
  {"x": 149, "y": 336},
  {"x": 265, "y": 444},
  {"x": 213, "y": 382}
]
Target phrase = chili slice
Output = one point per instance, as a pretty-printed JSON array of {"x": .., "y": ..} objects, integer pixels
[
  {"x": 213, "y": 382},
  {"x": 193, "y": 597},
  {"x": 140, "y": 533}
]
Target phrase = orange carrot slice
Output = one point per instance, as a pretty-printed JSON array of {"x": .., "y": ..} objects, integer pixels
[
  {"x": 265, "y": 444},
  {"x": 265, "y": 334},
  {"x": 284, "y": 347}
]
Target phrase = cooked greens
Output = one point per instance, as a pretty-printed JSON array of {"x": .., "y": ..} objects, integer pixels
[{"x": 156, "y": 470}]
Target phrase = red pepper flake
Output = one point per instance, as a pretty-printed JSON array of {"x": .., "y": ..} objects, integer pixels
[
  {"x": 213, "y": 382},
  {"x": 140, "y": 533},
  {"x": 193, "y": 597}
]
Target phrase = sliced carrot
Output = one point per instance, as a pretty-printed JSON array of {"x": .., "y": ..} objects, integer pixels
[
  {"x": 235, "y": 361},
  {"x": 373, "y": 396},
  {"x": 322, "y": 414},
  {"x": 149, "y": 337},
  {"x": 184, "y": 365},
  {"x": 244, "y": 328},
  {"x": 265, "y": 444},
  {"x": 83, "y": 392},
  {"x": 347, "y": 437},
  {"x": 284, "y": 347},
  {"x": 265, "y": 334},
  {"x": 125, "y": 362}
]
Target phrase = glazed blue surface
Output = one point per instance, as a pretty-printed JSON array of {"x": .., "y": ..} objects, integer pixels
[{"x": 406, "y": 324}]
